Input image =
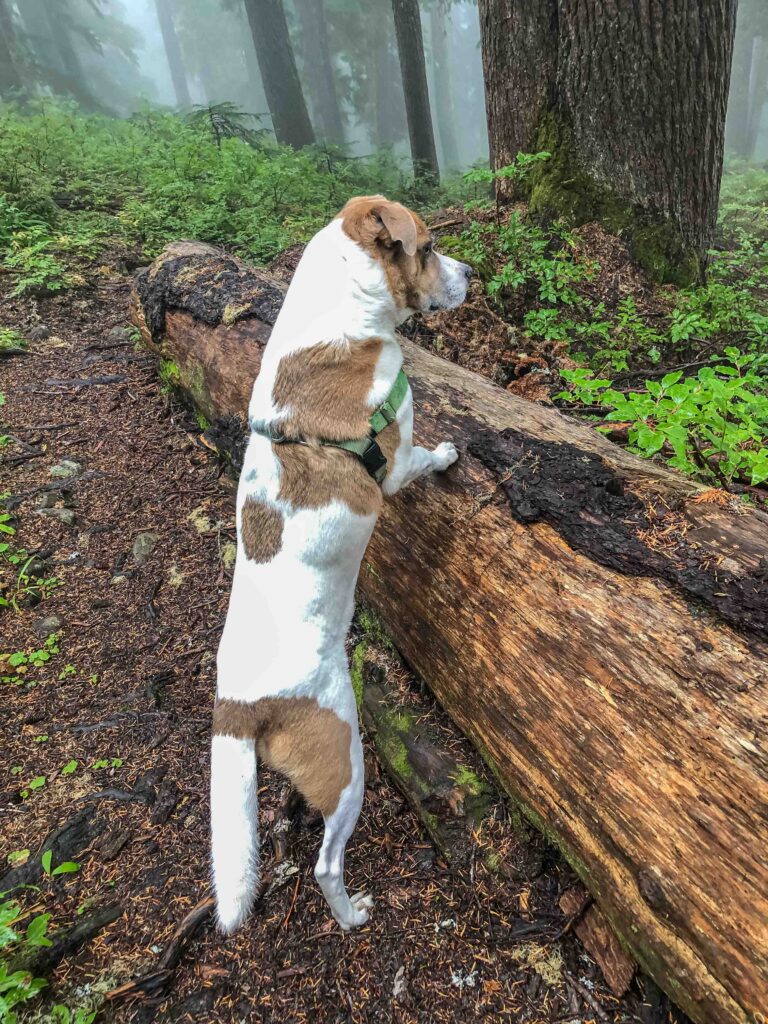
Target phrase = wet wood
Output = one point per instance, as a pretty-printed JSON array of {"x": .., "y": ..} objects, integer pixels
[{"x": 594, "y": 622}]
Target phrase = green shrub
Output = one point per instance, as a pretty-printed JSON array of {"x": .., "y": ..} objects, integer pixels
[{"x": 716, "y": 422}]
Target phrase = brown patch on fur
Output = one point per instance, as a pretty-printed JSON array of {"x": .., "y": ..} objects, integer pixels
[
  {"x": 313, "y": 476},
  {"x": 389, "y": 441},
  {"x": 326, "y": 387},
  {"x": 372, "y": 222},
  {"x": 261, "y": 529},
  {"x": 295, "y": 736}
]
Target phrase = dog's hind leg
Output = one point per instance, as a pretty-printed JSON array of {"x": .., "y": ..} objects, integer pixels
[{"x": 329, "y": 870}]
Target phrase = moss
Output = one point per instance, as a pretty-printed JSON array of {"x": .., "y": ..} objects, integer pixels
[
  {"x": 356, "y": 672},
  {"x": 560, "y": 189},
  {"x": 169, "y": 372},
  {"x": 371, "y": 625},
  {"x": 202, "y": 422},
  {"x": 233, "y": 312}
]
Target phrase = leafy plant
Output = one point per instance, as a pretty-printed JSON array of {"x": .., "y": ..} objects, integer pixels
[
  {"x": 715, "y": 423},
  {"x": 68, "y": 867},
  {"x": 11, "y": 341}
]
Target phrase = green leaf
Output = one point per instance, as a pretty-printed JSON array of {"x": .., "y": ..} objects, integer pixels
[
  {"x": 670, "y": 379},
  {"x": 37, "y": 783},
  {"x": 36, "y": 931},
  {"x": 69, "y": 768},
  {"x": 68, "y": 867},
  {"x": 45, "y": 861}
]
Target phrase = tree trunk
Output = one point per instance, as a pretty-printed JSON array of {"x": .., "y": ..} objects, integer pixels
[
  {"x": 278, "y": 72},
  {"x": 594, "y": 622},
  {"x": 390, "y": 124},
  {"x": 440, "y": 21},
  {"x": 10, "y": 76},
  {"x": 173, "y": 52},
  {"x": 630, "y": 100},
  {"x": 319, "y": 70},
  {"x": 737, "y": 121},
  {"x": 410, "y": 48},
  {"x": 758, "y": 92}
]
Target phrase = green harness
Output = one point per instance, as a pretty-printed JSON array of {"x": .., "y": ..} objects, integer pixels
[{"x": 365, "y": 448}]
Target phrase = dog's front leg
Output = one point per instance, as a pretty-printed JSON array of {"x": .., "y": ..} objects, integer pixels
[{"x": 414, "y": 462}]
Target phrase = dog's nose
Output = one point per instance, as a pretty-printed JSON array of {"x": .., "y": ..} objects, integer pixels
[{"x": 469, "y": 272}]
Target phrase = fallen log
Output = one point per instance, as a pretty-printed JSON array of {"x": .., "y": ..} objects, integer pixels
[{"x": 594, "y": 622}]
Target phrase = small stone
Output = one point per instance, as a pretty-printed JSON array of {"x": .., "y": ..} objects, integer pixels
[
  {"x": 64, "y": 515},
  {"x": 116, "y": 580},
  {"x": 228, "y": 554},
  {"x": 45, "y": 626},
  {"x": 39, "y": 332},
  {"x": 120, "y": 334},
  {"x": 65, "y": 469},
  {"x": 143, "y": 546},
  {"x": 47, "y": 499}
]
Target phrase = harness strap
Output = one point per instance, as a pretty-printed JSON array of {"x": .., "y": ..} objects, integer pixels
[{"x": 365, "y": 448}]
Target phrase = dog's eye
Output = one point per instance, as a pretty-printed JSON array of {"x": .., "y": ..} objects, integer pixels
[{"x": 428, "y": 248}]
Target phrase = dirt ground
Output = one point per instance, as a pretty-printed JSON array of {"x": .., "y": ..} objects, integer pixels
[{"x": 140, "y": 540}]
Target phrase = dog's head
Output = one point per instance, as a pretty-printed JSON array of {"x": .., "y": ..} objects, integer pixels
[{"x": 419, "y": 279}]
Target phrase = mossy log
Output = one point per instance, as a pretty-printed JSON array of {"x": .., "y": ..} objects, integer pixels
[{"x": 595, "y": 623}]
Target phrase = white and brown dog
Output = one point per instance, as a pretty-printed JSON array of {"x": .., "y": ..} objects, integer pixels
[{"x": 306, "y": 510}]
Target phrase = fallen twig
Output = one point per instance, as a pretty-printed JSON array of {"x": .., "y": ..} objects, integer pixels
[{"x": 158, "y": 980}]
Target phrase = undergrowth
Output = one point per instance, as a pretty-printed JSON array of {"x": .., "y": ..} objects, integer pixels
[
  {"x": 75, "y": 188},
  {"x": 71, "y": 186}
]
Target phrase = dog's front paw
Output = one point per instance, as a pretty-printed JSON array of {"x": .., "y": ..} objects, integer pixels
[{"x": 445, "y": 455}]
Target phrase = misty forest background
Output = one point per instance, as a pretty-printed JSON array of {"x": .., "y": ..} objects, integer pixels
[{"x": 604, "y": 168}]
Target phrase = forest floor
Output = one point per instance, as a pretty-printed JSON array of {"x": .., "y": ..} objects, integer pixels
[{"x": 132, "y": 528}]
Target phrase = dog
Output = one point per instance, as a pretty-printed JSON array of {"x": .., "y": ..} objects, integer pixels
[{"x": 315, "y": 472}]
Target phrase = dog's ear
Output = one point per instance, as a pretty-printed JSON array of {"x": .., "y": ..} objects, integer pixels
[{"x": 399, "y": 223}]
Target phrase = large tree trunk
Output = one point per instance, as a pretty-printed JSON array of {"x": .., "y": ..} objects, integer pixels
[
  {"x": 595, "y": 623},
  {"x": 630, "y": 100},
  {"x": 749, "y": 78},
  {"x": 390, "y": 123},
  {"x": 10, "y": 76},
  {"x": 440, "y": 21},
  {"x": 278, "y": 72},
  {"x": 318, "y": 69},
  {"x": 173, "y": 52},
  {"x": 410, "y": 48}
]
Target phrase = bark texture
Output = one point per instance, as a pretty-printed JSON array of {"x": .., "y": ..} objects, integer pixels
[
  {"x": 410, "y": 47},
  {"x": 630, "y": 100},
  {"x": 595, "y": 623},
  {"x": 318, "y": 70},
  {"x": 173, "y": 52},
  {"x": 278, "y": 72}
]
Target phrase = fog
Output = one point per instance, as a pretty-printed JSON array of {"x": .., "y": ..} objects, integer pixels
[{"x": 116, "y": 56}]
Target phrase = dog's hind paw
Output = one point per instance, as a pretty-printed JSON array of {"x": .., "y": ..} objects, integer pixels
[{"x": 362, "y": 904}]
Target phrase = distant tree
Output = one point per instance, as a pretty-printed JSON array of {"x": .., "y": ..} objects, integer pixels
[
  {"x": 440, "y": 24},
  {"x": 410, "y": 47},
  {"x": 10, "y": 73},
  {"x": 318, "y": 69},
  {"x": 631, "y": 105},
  {"x": 278, "y": 72},
  {"x": 749, "y": 78},
  {"x": 165, "y": 15}
]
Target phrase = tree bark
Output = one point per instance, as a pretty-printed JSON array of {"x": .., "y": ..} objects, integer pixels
[
  {"x": 10, "y": 76},
  {"x": 278, "y": 72},
  {"x": 630, "y": 99},
  {"x": 594, "y": 622},
  {"x": 173, "y": 52},
  {"x": 318, "y": 69},
  {"x": 440, "y": 20},
  {"x": 410, "y": 48}
]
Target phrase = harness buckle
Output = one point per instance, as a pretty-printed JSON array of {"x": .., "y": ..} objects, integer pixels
[{"x": 374, "y": 460}]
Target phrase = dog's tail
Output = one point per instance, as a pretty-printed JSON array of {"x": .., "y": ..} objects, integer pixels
[{"x": 234, "y": 828}]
